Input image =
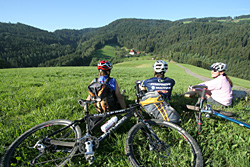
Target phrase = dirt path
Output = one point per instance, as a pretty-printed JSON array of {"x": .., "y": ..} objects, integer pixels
[{"x": 207, "y": 79}]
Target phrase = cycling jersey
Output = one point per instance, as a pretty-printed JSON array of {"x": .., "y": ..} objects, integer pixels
[
  {"x": 221, "y": 90},
  {"x": 162, "y": 86},
  {"x": 111, "y": 82}
]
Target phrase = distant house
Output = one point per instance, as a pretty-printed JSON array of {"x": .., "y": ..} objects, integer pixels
[{"x": 132, "y": 52}]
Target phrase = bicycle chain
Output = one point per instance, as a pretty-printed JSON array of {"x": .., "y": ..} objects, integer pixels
[
  {"x": 56, "y": 159},
  {"x": 63, "y": 157}
]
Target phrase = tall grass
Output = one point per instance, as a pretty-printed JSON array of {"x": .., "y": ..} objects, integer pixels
[{"x": 30, "y": 96}]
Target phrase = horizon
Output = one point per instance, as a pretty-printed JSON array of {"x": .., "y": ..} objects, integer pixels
[
  {"x": 77, "y": 14},
  {"x": 120, "y": 19}
]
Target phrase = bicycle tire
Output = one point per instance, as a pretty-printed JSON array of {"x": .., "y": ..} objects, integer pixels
[
  {"x": 184, "y": 149},
  {"x": 21, "y": 153}
]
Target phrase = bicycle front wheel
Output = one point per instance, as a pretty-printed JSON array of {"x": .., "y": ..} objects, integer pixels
[
  {"x": 35, "y": 147},
  {"x": 175, "y": 147}
]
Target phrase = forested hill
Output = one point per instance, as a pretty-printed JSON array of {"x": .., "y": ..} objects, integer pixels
[{"x": 193, "y": 41}]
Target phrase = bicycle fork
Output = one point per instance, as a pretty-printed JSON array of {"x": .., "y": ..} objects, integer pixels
[{"x": 155, "y": 143}]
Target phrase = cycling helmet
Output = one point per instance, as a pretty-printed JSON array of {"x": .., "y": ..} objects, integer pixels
[
  {"x": 218, "y": 67},
  {"x": 104, "y": 65},
  {"x": 160, "y": 66}
]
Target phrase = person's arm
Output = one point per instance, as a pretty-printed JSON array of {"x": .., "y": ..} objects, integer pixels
[
  {"x": 89, "y": 98},
  {"x": 119, "y": 96},
  {"x": 213, "y": 84}
]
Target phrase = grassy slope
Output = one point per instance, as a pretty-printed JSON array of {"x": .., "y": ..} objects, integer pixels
[
  {"x": 107, "y": 52},
  {"x": 34, "y": 95},
  {"x": 207, "y": 73}
]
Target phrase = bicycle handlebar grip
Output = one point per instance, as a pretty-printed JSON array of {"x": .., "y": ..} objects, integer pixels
[
  {"x": 137, "y": 82},
  {"x": 84, "y": 102},
  {"x": 137, "y": 86},
  {"x": 81, "y": 102}
]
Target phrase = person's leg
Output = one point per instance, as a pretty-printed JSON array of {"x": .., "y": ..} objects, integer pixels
[{"x": 212, "y": 101}]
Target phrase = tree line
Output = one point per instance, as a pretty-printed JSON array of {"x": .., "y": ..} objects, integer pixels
[{"x": 199, "y": 42}]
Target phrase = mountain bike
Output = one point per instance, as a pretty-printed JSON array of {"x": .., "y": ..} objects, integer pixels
[
  {"x": 207, "y": 109},
  {"x": 150, "y": 142}
]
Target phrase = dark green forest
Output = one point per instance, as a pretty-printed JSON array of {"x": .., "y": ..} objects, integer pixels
[{"x": 199, "y": 42}]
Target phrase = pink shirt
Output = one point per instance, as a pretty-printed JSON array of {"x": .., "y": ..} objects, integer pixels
[{"x": 220, "y": 89}]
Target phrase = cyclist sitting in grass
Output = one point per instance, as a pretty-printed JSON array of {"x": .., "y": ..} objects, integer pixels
[
  {"x": 163, "y": 85},
  {"x": 219, "y": 90},
  {"x": 113, "y": 95}
]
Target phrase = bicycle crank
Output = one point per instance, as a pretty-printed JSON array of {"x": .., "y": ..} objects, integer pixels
[{"x": 88, "y": 145}]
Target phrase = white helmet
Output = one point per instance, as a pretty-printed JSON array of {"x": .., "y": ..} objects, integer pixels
[
  {"x": 218, "y": 67},
  {"x": 160, "y": 66}
]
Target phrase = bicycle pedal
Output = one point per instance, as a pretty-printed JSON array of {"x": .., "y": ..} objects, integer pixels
[{"x": 190, "y": 107}]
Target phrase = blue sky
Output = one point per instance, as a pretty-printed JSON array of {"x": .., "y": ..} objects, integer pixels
[{"x": 51, "y": 15}]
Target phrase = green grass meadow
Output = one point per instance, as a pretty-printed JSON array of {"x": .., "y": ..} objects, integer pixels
[
  {"x": 29, "y": 96},
  {"x": 106, "y": 52}
]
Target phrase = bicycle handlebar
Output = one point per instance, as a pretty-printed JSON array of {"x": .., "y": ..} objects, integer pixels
[
  {"x": 84, "y": 102},
  {"x": 199, "y": 86}
]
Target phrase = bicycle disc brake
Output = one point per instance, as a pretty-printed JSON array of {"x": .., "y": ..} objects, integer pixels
[{"x": 161, "y": 148}]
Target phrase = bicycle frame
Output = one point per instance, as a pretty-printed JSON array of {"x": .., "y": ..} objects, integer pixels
[
  {"x": 88, "y": 139},
  {"x": 130, "y": 112},
  {"x": 119, "y": 123},
  {"x": 209, "y": 111},
  {"x": 225, "y": 117},
  {"x": 59, "y": 140}
]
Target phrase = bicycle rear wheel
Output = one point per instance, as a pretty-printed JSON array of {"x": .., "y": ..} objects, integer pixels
[
  {"x": 34, "y": 147},
  {"x": 176, "y": 146}
]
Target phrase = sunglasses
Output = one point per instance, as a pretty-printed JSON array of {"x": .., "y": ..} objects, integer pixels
[{"x": 212, "y": 69}]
